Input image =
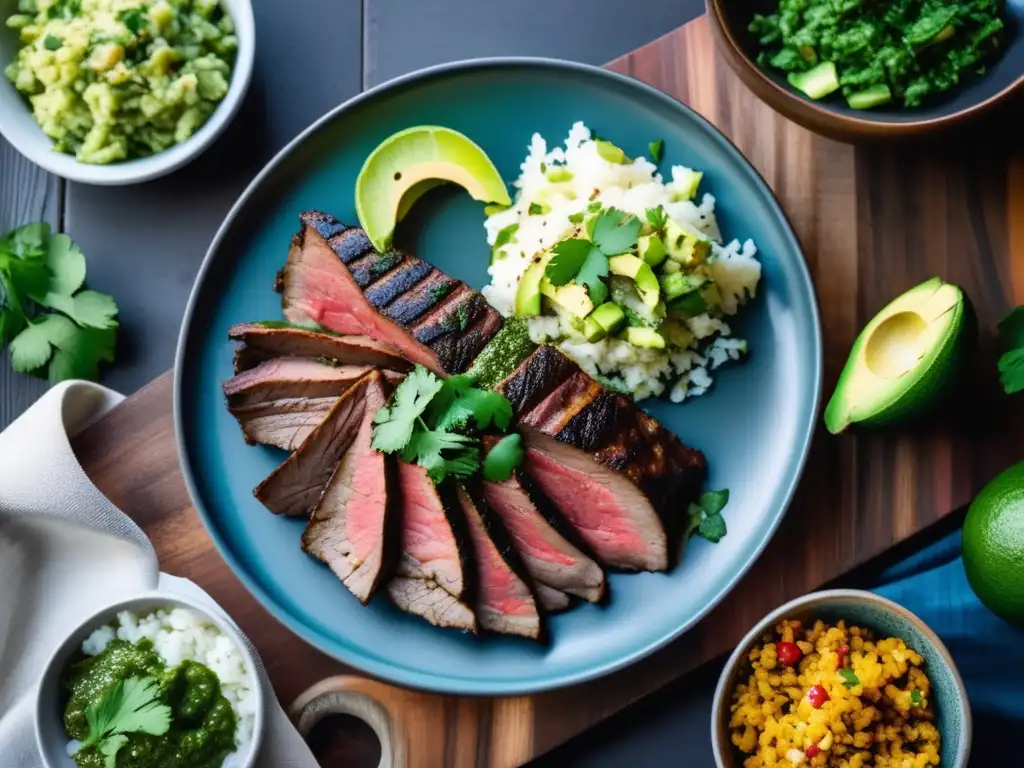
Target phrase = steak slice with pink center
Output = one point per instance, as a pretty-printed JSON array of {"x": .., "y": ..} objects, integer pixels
[
  {"x": 268, "y": 340},
  {"x": 295, "y": 486},
  {"x": 551, "y": 559},
  {"x": 435, "y": 572},
  {"x": 284, "y": 423},
  {"x": 352, "y": 528}
]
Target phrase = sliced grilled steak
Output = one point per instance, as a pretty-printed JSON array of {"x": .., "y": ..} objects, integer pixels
[
  {"x": 283, "y": 423},
  {"x": 295, "y": 486},
  {"x": 335, "y": 278},
  {"x": 354, "y": 525},
  {"x": 551, "y": 560},
  {"x": 551, "y": 600},
  {"x": 290, "y": 377},
  {"x": 505, "y": 603},
  {"x": 265, "y": 341},
  {"x": 636, "y": 476},
  {"x": 435, "y": 568}
]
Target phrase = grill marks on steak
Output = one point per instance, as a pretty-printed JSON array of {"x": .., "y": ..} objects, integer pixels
[
  {"x": 282, "y": 423},
  {"x": 352, "y": 528},
  {"x": 264, "y": 342},
  {"x": 435, "y": 577},
  {"x": 551, "y": 559},
  {"x": 295, "y": 486},
  {"x": 335, "y": 278},
  {"x": 506, "y": 603}
]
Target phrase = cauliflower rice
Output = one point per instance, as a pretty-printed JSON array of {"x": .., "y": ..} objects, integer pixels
[
  {"x": 634, "y": 187},
  {"x": 181, "y": 634},
  {"x": 833, "y": 696}
]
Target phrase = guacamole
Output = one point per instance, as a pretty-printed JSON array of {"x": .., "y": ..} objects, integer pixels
[
  {"x": 879, "y": 51},
  {"x": 112, "y": 80},
  {"x": 203, "y": 724}
]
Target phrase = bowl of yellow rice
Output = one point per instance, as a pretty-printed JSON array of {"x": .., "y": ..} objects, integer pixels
[{"x": 841, "y": 679}]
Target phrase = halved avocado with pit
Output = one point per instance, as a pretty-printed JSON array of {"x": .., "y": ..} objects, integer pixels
[{"x": 904, "y": 360}]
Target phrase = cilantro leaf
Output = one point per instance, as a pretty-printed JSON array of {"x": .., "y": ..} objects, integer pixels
[
  {"x": 109, "y": 748},
  {"x": 458, "y": 401},
  {"x": 28, "y": 276},
  {"x": 73, "y": 352},
  {"x": 594, "y": 268},
  {"x": 1011, "y": 342},
  {"x": 11, "y": 324},
  {"x": 712, "y": 527},
  {"x": 916, "y": 698},
  {"x": 427, "y": 448},
  {"x": 656, "y": 148},
  {"x": 26, "y": 241},
  {"x": 31, "y": 349},
  {"x": 134, "y": 19},
  {"x": 656, "y": 217},
  {"x": 130, "y": 706},
  {"x": 577, "y": 218},
  {"x": 425, "y": 443},
  {"x": 850, "y": 680},
  {"x": 91, "y": 309},
  {"x": 505, "y": 456},
  {"x": 67, "y": 265},
  {"x": 567, "y": 258},
  {"x": 713, "y": 501},
  {"x": 535, "y": 209},
  {"x": 463, "y": 464},
  {"x": 694, "y": 514},
  {"x": 393, "y": 424},
  {"x": 616, "y": 232},
  {"x": 81, "y": 359}
]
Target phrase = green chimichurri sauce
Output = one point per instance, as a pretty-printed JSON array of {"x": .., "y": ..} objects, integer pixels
[
  {"x": 203, "y": 724},
  {"x": 509, "y": 347},
  {"x": 898, "y": 51}
]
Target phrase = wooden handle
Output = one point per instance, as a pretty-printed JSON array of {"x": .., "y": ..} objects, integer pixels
[{"x": 360, "y": 698}]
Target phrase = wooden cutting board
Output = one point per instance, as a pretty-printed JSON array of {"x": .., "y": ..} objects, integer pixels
[{"x": 873, "y": 222}]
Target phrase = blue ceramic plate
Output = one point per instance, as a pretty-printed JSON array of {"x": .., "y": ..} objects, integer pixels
[{"x": 755, "y": 426}]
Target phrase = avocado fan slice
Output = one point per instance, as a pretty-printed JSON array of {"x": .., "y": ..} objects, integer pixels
[{"x": 905, "y": 360}]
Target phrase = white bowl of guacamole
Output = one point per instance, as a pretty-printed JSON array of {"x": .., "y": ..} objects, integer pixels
[{"x": 118, "y": 92}]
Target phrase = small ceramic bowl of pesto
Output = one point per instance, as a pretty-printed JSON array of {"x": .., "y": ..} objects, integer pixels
[
  {"x": 156, "y": 681},
  {"x": 116, "y": 92},
  {"x": 875, "y": 70}
]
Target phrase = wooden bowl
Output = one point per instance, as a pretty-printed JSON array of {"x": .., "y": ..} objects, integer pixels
[{"x": 1004, "y": 77}]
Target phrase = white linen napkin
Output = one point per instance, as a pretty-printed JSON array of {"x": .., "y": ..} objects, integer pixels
[{"x": 65, "y": 551}]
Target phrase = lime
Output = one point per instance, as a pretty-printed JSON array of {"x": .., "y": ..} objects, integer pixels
[
  {"x": 993, "y": 545},
  {"x": 409, "y": 163}
]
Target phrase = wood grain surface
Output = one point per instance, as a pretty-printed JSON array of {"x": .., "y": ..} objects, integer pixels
[{"x": 873, "y": 222}]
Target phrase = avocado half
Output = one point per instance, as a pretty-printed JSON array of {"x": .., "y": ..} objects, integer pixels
[
  {"x": 408, "y": 164},
  {"x": 904, "y": 360}
]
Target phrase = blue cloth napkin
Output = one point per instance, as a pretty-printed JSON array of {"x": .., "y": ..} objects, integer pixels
[{"x": 988, "y": 652}]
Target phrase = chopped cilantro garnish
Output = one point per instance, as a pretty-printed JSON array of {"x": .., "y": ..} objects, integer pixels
[
  {"x": 503, "y": 458},
  {"x": 850, "y": 680},
  {"x": 916, "y": 698},
  {"x": 586, "y": 261},
  {"x": 535, "y": 209},
  {"x": 705, "y": 517},
  {"x": 52, "y": 43},
  {"x": 656, "y": 148}
]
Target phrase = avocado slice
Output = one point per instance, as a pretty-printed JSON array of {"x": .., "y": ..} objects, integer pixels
[
  {"x": 527, "y": 301},
  {"x": 817, "y": 82},
  {"x": 676, "y": 284},
  {"x": 610, "y": 152},
  {"x": 573, "y": 298},
  {"x": 640, "y": 273},
  {"x": 685, "y": 186},
  {"x": 875, "y": 96},
  {"x": 651, "y": 249},
  {"x": 403, "y": 161},
  {"x": 645, "y": 337},
  {"x": 905, "y": 359},
  {"x": 609, "y": 316},
  {"x": 685, "y": 247},
  {"x": 592, "y": 330}
]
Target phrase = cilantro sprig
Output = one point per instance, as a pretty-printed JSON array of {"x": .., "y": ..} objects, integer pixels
[
  {"x": 1011, "y": 343},
  {"x": 435, "y": 423},
  {"x": 705, "y": 517},
  {"x": 586, "y": 261},
  {"x": 130, "y": 706},
  {"x": 55, "y": 328}
]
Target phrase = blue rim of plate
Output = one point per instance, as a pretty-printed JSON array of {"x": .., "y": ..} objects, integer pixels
[{"x": 440, "y": 683}]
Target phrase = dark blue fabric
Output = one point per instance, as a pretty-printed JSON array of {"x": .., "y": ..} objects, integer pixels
[{"x": 988, "y": 652}]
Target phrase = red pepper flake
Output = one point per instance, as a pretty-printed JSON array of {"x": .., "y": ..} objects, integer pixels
[
  {"x": 812, "y": 751},
  {"x": 817, "y": 695},
  {"x": 843, "y": 651},
  {"x": 788, "y": 653}
]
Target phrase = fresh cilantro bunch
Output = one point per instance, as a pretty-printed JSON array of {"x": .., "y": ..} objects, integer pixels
[
  {"x": 705, "y": 517},
  {"x": 130, "y": 706},
  {"x": 435, "y": 423},
  {"x": 1011, "y": 342},
  {"x": 55, "y": 329},
  {"x": 586, "y": 261}
]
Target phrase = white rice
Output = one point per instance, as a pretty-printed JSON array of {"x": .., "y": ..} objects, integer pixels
[
  {"x": 181, "y": 634},
  {"x": 633, "y": 187}
]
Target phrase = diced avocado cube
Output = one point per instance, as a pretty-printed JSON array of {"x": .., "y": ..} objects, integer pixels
[
  {"x": 684, "y": 186},
  {"x": 875, "y": 96},
  {"x": 641, "y": 273},
  {"x": 676, "y": 284},
  {"x": 610, "y": 152},
  {"x": 676, "y": 333},
  {"x": 685, "y": 247},
  {"x": 817, "y": 82},
  {"x": 592, "y": 330},
  {"x": 558, "y": 173},
  {"x": 652, "y": 249},
  {"x": 688, "y": 305},
  {"x": 573, "y": 299},
  {"x": 527, "y": 302},
  {"x": 671, "y": 266},
  {"x": 647, "y": 338},
  {"x": 609, "y": 316}
]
